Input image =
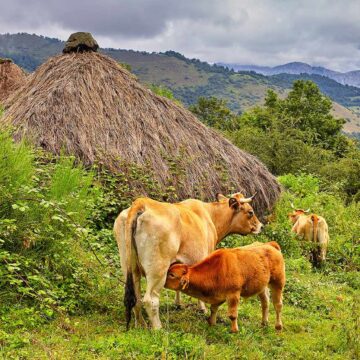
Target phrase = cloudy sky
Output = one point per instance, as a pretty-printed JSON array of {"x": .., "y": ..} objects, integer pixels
[{"x": 262, "y": 32}]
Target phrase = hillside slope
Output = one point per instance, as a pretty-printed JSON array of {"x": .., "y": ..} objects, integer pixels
[{"x": 188, "y": 78}]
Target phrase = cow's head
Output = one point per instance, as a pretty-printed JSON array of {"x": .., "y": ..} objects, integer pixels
[
  {"x": 177, "y": 277},
  {"x": 244, "y": 220},
  {"x": 294, "y": 215}
]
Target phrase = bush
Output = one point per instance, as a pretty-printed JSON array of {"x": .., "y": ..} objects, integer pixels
[{"x": 45, "y": 206}]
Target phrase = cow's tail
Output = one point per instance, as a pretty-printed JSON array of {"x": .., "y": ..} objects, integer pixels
[
  {"x": 316, "y": 245},
  {"x": 130, "y": 229}
]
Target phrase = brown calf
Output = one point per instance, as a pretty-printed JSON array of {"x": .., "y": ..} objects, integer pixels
[{"x": 228, "y": 274}]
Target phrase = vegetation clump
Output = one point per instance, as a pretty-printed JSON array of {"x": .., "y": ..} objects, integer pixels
[
  {"x": 292, "y": 135},
  {"x": 80, "y": 42}
]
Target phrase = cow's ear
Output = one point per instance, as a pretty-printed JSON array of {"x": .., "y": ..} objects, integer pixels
[
  {"x": 234, "y": 204},
  {"x": 220, "y": 197},
  {"x": 184, "y": 282}
]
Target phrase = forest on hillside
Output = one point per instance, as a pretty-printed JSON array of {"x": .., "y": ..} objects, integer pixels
[{"x": 61, "y": 284}]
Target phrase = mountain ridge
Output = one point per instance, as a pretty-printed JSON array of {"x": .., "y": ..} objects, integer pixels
[
  {"x": 351, "y": 78},
  {"x": 188, "y": 78}
]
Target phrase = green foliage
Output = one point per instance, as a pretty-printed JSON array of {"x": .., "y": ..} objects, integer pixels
[
  {"x": 214, "y": 112},
  {"x": 299, "y": 134},
  {"x": 45, "y": 207},
  {"x": 304, "y": 114},
  {"x": 126, "y": 66},
  {"x": 308, "y": 110},
  {"x": 162, "y": 91}
]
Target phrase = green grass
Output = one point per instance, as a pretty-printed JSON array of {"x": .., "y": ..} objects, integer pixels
[{"x": 320, "y": 316}]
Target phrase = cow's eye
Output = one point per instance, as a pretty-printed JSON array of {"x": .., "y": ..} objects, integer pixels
[
  {"x": 251, "y": 214},
  {"x": 172, "y": 276}
]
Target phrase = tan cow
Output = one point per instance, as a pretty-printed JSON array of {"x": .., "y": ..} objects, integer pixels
[
  {"x": 312, "y": 228},
  {"x": 152, "y": 235},
  {"x": 228, "y": 274}
]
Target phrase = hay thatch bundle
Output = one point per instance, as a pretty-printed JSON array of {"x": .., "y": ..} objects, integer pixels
[
  {"x": 11, "y": 77},
  {"x": 90, "y": 106}
]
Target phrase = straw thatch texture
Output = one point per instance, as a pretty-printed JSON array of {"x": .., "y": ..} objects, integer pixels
[
  {"x": 90, "y": 106},
  {"x": 11, "y": 77}
]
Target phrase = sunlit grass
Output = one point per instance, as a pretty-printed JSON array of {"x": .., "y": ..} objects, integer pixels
[{"x": 321, "y": 325}]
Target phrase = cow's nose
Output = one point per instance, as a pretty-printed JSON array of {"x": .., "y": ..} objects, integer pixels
[{"x": 257, "y": 229}]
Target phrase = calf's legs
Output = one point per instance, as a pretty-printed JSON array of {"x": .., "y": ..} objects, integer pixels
[
  {"x": 264, "y": 298},
  {"x": 214, "y": 309},
  {"x": 201, "y": 306},
  {"x": 233, "y": 303},
  {"x": 178, "y": 299},
  {"x": 276, "y": 294}
]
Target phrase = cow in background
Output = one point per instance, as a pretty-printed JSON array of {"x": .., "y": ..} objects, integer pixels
[
  {"x": 312, "y": 228},
  {"x": 152, "y": 235}
]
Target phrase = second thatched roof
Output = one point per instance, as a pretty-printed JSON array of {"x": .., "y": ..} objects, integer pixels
[
  {"x": 11, "y": 78},
  {"x": 89, "y": 106}
]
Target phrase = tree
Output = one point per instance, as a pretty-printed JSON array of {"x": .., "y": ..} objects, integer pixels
[
  {"x": 299, "y": 134},
  {"x": 215, "y": 113},
  {"x": 308, "y": 110},
  {"x": 305, "y": 114}
]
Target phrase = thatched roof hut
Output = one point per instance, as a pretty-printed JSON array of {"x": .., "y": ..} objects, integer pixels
[
  {"x": 89, "y": 106},
  {"x": 11, "y": 77}
]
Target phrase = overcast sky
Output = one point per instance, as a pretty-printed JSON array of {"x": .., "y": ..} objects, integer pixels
[{"x": 262, "y": 32}]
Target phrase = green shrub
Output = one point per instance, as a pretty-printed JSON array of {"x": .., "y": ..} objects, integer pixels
[{"x": 45, "y": 207}]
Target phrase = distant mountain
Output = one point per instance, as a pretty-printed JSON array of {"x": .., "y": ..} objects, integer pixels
[
  {"x": 191, "y": 78},
  {"x": 348, "y": 78}
]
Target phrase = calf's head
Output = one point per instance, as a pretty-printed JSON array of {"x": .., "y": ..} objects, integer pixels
[
  {"x": 177, "y": 277},
  {"x": 294, "y": 215},
  {"x": 244, "y": 220}
]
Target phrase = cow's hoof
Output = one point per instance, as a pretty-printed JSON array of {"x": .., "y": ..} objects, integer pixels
[
  {"x": 264, "y": 323},
  {"x": 202, "y": 311},
  {"x": 141, "y": 324},
  {"x": 140, "y": 321},
  {"x": 278, "y": 327},
  {"x": 156, "y": 327},
  {"x": 234, "y": 331},
  {"x": 211, "y": 322}
]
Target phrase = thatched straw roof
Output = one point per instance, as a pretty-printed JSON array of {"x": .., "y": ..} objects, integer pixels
[
  {"x": 88, "y": 105},
  {"x": 11, "y": 77}
]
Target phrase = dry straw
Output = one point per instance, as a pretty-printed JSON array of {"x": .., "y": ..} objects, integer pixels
[
  {"x": 88, "y": 105},
  {"x": 11, "y": 78}
]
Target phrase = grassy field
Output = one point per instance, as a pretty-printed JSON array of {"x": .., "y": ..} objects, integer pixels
[
  {"x": 320, "y": 316},
  {"x": 59, "y": 301}
]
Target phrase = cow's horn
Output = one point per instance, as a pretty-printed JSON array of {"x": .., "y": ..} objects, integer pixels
[
  {"x": 306, "y": 211},
  {"x": 247, "y": 200},
  {"x": 292, "y": 205}
]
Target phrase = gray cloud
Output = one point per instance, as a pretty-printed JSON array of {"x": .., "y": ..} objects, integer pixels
[{"x": 266, "y": 32}]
